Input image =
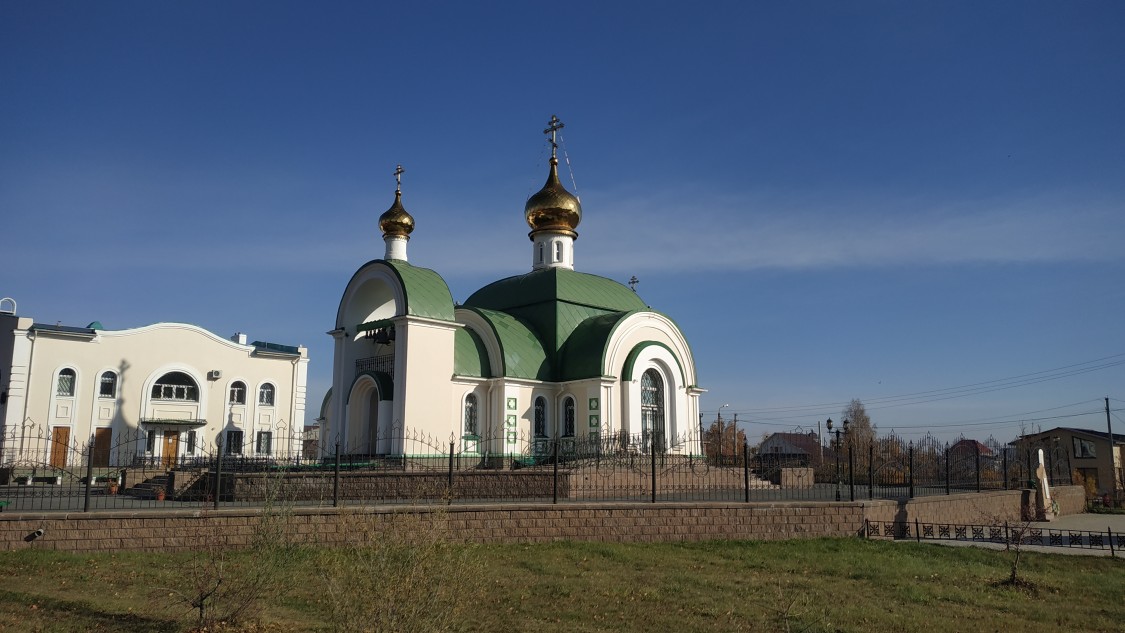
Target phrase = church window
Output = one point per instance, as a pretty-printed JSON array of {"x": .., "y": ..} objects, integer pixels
[
  {"x": 265, "y": 443},
  {"x": 234, "y": 442},
  {"x": 540, "y": 417},
  {"x": 540, "y": 252},
  {"x": 558, "y": 251},
  {"x": 265, "y": 395},
  {"x": 568, "y": 417},
  {"x": 108, "y": 385},
  {"x": 175, "y": 385},
  {"x": 238, "y": 392},
  {"x": 191, "y": 439},
  {"x": 652, "y": 410},
  {"x": 150, "y": 442},
  {"x": 65, "y": 386},
  {"x": 471, "y": 414}
]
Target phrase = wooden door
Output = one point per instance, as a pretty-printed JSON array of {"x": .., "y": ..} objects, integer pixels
[
  {"x": 171, "y": 448},
  {"x": 100, "y": 455},
  {"x": 60, "y": 445}
]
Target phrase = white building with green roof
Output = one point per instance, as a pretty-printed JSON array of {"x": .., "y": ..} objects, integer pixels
[{"x": 552, "y": 353}]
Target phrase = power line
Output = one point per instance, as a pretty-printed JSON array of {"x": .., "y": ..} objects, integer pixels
[{"x": 920, "y": 397}]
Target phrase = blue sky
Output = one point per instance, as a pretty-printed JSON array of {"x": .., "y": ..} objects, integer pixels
[{"x": 833, "y": 200}]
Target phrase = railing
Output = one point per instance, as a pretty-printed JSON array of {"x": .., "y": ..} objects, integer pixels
[
  {"x": 124, "y": 471},
  {"x": 1010, "y": 535},
  {"x": 384, "y": 363}
]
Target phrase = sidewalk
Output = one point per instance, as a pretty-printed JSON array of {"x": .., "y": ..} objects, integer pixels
[{"x": 1079, "y": 522}]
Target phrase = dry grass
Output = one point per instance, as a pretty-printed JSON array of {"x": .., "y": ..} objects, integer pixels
[{"x": 427, "y": 583}]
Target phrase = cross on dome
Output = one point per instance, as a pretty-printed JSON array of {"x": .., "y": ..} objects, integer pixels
[
  {"x": 399, "y": 171},
  {"x": 553, "y": 126}
]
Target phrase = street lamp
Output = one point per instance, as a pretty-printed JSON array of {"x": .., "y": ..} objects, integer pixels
[{"x": 839, "y": 480}]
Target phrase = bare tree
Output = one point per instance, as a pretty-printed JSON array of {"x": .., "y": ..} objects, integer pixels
[{"x": 860, "y": 430}]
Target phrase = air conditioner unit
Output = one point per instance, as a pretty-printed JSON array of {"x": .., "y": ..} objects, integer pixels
[{"x": 215, "y": 374}]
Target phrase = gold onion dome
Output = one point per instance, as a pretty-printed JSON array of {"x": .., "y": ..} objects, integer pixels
[
  {"x": 553, "y": 208},
  {"x": 396, "y": 221}
]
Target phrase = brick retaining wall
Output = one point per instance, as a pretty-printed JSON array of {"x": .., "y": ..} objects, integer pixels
[{"x": 503, "y": 523}]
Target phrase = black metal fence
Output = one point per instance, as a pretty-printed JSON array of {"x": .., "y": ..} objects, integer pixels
[
  {"x": 1009, "y": 535},
  {"x": 138, "y": 469}
]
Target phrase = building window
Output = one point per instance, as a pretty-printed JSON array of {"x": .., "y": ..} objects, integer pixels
[
  {"x": 191, "y": 442},
  {"x": 471, "y": 414},
  {"x": 540, "y": 417},
  {"x": 558, "y": 251},
  {"x": 264, "y": 445},
  {"x": 65, "y": 386},
  {"x": 652, "y": 410},
  {"x": 150, "y": 442},
  {"x": 568, "y": 417},
  {"x": 234, "y": 442},
  {"x": 175, "y": 385},
  {"x": 265, "y": 395},
  {"x": 540, "y": 252},
  {"x": 108, "y": 386},
  {"x": 1084, "y": 449},
  {"x": 237, "y": 392}
]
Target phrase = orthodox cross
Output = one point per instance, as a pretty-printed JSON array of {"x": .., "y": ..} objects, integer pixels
[
  {"x": 553, "y": 126},
  {"x": 633, "y": 281},
  {"x": 399, "y": 171}
]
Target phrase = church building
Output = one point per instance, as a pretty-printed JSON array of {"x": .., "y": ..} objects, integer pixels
[{"x": 552, "y": 353}]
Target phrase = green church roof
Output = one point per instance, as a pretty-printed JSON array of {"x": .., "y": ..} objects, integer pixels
[
  {"x": 554, "y": 304},
  {"x": 427, "y": 294},
  {"x": 556, "y": 284},
  {"x": 470, "y": 358},
  {"x": 522, "y": 351}
]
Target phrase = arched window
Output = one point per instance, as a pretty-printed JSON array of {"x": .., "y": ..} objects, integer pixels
[
  {"x": 65, "y": 386},
  {"x": 540, "y": 417},
  {"x": 237, "y": 392},
  {"x": 540, "y": 252},
  {"x": 175, "y": 385},
  {"x": 107, "y": 387},
  {"x": 265, "y": 395},
  {"x": 652, "y": 409},
  {"x": 558, "y": 251},
  {"x": 568, "y": 418},
  {"x": 471, "y": 414}
]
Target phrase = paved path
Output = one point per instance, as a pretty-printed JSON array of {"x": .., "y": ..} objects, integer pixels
[{"x": 1078, "y": 522}]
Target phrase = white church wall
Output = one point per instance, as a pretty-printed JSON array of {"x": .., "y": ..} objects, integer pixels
[{"x": 428, "y": 368}]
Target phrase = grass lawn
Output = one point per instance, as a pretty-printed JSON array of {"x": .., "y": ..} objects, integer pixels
[{"x": 809, "y": 585}]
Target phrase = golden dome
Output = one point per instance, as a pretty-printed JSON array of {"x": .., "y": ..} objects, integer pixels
[
  {"x": 553, "y": 208},
  {"x": 396, "y": 221}
]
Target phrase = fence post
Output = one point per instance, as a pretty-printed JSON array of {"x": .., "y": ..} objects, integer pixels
[
  {"x": 851, "y": 469},
  {"x": 218, "y": 472},
  {"x": 838, "y": 476},
  {"x": 871, "y": 470},
  {"x": 976, "y": 452},
  {"x": 1109, "y": 530},
  {"x": 449, "y": 481},
  {"x": 336, "y": 478},
  {"x": 917, "y": 529},
  {"x": 652, "y": 452},
  {"x": 1007, "y": 538},
  {"x": 555, "y": 471},
  {"x": 746, "y": 469},
  {"x": 911, "y": 469},
  {"x": 89, "y": 475},
  {"x": 947, "y": 468},
  {"x": 1005, "y": 454}
]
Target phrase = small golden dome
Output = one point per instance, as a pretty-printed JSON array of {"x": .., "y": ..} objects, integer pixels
[
  {"x": 396, "y": 221},
  {"x": 553, "y": 208}
]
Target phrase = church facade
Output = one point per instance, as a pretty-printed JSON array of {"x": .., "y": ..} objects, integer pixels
[{"x": 551, "y": 354}]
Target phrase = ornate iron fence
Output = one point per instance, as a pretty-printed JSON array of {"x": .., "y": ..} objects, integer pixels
[
  {"x": 139, "y": 469},
  {"x": 1006, "y": 534}
]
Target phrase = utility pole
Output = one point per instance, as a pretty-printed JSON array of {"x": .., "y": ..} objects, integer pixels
[{"x": 1112, "y": 458}]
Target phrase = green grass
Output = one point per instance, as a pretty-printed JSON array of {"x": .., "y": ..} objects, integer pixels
[{"x": 809, "y": 585}]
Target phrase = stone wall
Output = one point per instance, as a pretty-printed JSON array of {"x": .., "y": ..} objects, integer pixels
[
  {"x": 393, "y": 486},
  {"x": 631, "y": 522},
  {"x": 511, "y": 523},
  {"x": 1071, "y": 499}
]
